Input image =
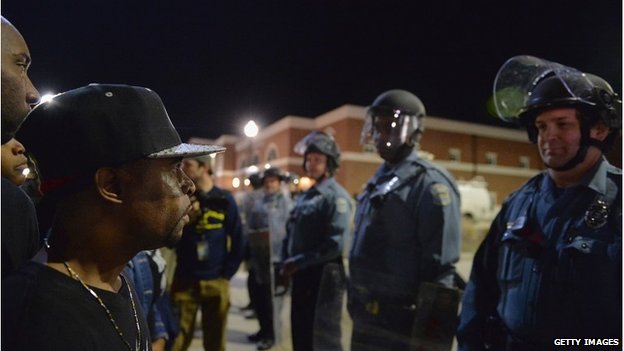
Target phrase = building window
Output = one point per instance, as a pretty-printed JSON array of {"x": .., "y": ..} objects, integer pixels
[
  {"x": 272, "y": 155},
  {"x": 524, "y": 162},
  {"x": 454, "y": 154},
  {"x": 491, "y": 158}
]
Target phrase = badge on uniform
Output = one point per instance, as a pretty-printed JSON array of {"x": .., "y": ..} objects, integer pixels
[
  {"x": 597, "y": 214},
  {"x": 202, "y": 250},
  {"x": 441, "y": 194},
  {"x": 342, "y": 206}
]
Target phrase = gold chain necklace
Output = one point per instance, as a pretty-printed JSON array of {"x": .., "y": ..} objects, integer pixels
[{"x": 108, "y": 312}]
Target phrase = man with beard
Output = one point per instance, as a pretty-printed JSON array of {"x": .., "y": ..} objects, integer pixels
[
  {"x": 111, "y": 162},
  {"x": 20, "y": 232},
  {"x": 208, "y": 256}
]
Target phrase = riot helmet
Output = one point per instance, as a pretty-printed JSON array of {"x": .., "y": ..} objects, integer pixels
[
  {"x": 394, "y": 124},
  {"x": 526, "y": 85},
  {"x": 322, "y": 143}
]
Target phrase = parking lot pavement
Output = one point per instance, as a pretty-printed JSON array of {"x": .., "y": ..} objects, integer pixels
[{"x": 239, "y": 327}]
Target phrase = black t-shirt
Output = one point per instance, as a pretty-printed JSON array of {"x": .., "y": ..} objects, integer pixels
[
  {"x": 43, "y": 309},
  {"x": 20, "y": 233}
]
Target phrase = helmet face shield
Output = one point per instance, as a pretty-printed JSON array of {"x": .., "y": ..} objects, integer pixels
[
  {"x": 525, "y": 86},
  {"x": 388, "y": 128},
  {"x": 518, "y": 87}
]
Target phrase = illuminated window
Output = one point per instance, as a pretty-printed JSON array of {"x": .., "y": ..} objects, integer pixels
[{"x": 524, "y": 162}]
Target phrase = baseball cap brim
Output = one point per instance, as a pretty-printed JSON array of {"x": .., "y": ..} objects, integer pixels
[{"x": 187, "y": 150}]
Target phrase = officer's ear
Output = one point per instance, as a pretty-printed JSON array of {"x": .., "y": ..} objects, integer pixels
[{"x": 599, "y": 131}]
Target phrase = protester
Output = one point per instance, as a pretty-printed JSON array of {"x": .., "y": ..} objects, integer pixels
[
  {"x": 128, "y": 193},
  {"x": 14, "y": 162},
  {"x": 20, "y": 231},
  {"x": 208, "y": 256},
  {"x": 146, "y": 271}
]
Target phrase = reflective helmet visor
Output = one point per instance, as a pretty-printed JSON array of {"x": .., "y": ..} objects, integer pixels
[
  {"x": 516, "y": 82},
  {"x": 388, "y": 127}
]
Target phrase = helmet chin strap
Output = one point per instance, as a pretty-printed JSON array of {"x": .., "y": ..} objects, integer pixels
[
  {"x": 578, "y": 158},
  {"x": 580, "y": 154}
]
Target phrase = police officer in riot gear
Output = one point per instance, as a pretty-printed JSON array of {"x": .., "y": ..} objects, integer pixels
[
  {"x": 407, "y": 229},
  {"x": 551, "y": 264},
  {"x": 266, "y": 223},
  {"x": 312, "y": 249}
]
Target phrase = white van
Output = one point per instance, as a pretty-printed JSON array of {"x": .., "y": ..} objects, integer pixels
[{"x": 477, "y": 203}]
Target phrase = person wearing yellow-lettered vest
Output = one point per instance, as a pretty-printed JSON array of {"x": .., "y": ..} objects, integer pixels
[
  {"x": 551, "y": 264},
  {"x": 312, "y": 249},
  {"x": 407, "y": 230},
  {"x": 208, "y": 255}
]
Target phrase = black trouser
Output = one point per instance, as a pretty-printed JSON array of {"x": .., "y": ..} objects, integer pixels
[
  {"x": 263, "y": 306},
  {"x": 252, "y": 288}
]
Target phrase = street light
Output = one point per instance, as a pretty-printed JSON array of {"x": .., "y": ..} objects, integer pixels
[{"x": 251, "y": 129}]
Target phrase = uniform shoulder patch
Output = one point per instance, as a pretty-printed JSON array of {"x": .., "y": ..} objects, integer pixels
[
  {"x": 342, "y": 206},
  {"x": 441, "y": 194}
]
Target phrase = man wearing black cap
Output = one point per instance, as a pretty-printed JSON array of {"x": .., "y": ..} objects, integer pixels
[
  {"x": 20, "y": 233},
  {"x": 128, "y": 193}
]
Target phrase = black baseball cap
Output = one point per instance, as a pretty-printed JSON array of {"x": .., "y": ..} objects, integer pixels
[{"x": 101, "y": 125}]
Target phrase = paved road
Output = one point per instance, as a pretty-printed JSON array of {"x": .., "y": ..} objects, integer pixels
[{"x": 239, "y": 327}]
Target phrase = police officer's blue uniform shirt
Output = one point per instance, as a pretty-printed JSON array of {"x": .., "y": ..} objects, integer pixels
[
  {"x": 407, "y": 231},
  {"x": 268, "y": 214},
  {"x": 550, "y": 266},
  {"x": 318, "y": 225}
]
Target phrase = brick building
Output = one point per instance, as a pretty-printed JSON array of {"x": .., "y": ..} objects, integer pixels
[{"x": 503, "y": 157}]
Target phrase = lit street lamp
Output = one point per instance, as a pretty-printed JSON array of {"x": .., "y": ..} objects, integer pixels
[{"x": 251, "y": 129}]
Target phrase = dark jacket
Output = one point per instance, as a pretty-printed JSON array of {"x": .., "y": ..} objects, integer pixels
[{"x": 218, "y": 232}]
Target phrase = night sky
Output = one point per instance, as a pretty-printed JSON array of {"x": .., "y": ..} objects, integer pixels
[{"x": 216, "y": 64}]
